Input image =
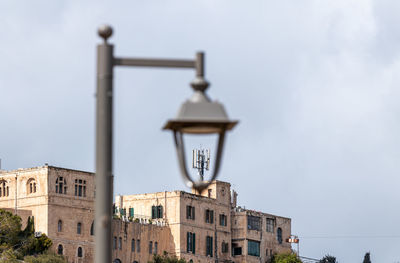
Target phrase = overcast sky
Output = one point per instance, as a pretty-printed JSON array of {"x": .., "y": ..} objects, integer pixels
[{"x": 315, "y": 85}]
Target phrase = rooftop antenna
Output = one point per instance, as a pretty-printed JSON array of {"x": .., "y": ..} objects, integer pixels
[{"x": 201, "y": 161}]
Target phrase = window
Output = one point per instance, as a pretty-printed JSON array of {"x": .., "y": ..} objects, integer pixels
[
  {"x": 31, "y": 186},
  {"x": 131, "y": 212},
  {"x": 253, "y": 248},
  {"x": 222, "y": 220},
  {"x": 79, "y": 228},
  {"x": 138, "y": 245},
  {"x": 80, "y": 252},
  {"x": 61, "y": 185},
  {"x": 123, "y": 211},
  {"x": 270, "y": 225},
  {"x": 190, "y": 212},
  {"x": 59, "y": 226},
  {"x": 209, "y": 216},
  {"x": 156, "y": 211},
  {"x": 92, "y": 229},
  {"x": 237, "y": 251},
  {"x": 279, "y": 235},
  {"x": 151, "y": 247},
  {"x": 155, "y": 247},
  {"x": 133, "y": 245},
  {"x": 80, "y": 187},
  {"x": 115, "y": 243},
  {"x": 60, "y": 249},
  {"x": 4, "y": 190},
  {"x": 191, "y": 242},
  {"x": 209, "y": 246},
  {"x": 253, "y": 223},
  {"x": 225, "y": 247},
  {"x": 120, "y": 243}
]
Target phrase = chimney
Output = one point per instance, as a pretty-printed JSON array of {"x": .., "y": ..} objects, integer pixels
[{"x": 234, "y": 198}]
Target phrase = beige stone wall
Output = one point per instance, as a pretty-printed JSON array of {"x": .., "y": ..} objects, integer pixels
[
  {"x": 268, "y": 240},
  {"x": 71, "y": 209},
  {"x": 145, "y": 233},
  {"x": 48, "y": 207},
  {"x": 170, "y": 231},
  {"x": 20, "y": 199}
]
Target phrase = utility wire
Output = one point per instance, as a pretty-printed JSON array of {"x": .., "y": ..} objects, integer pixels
[{"x": 348, "y": 236}]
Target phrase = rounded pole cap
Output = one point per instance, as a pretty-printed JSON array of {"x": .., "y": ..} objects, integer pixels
[{"x": 105, "y": 31}]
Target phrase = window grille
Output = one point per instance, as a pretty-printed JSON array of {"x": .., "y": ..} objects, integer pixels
[
  {"x": 253, "y": 222},
  {"x": 61, "y": 185},
  {"x": 253, "y": 248},
  {"x": 270, "y": 225},
  {"x": 279, "y": 235},
  {"x": 80, "y": 187}
]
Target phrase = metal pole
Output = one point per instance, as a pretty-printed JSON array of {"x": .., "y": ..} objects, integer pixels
[{"x": 104, "y": 177}]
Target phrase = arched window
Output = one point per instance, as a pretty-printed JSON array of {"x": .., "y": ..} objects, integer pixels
[
  {"x": 117, "y": 260},
  {"x": 92, "y": 229},
  {"x": 61, "y": 185},
  {"x": 80, "y": 187},
  {"x": 60, "y": 249},
  {"x": 279, "y": 235},
  {"x": 79, "y": 228},
  {"x": 31, "y": 186},
  {"x": 80, "y": 252},
  {"x": 59, "y": 226},
  {"x": 4, "y": 190},
  {"x": 120, "y": 243}
]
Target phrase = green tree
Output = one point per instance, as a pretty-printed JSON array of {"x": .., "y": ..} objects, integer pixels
[
  {"x": 8, "y": 256},
  {"x": 10, "y": 228},
  {"x": 16, "y": 243},
  {"x": 286, "y": 258},
  {"x": 328, "y": 259},
  {"x": 165, "y": 258},
  {"x": 367, "y": 258}
]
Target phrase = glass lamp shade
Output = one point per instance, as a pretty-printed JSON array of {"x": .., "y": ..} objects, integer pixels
[{"x": 199, "y": 115}]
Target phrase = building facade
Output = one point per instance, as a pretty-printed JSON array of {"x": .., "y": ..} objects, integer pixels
[{"x": 199, "y": 227}]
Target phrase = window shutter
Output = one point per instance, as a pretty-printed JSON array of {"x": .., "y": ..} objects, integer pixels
[
  {"x": 153, "y": 212},
  {"x": 193, "y": 212},
  {"x": 161, "y": 212},
  {"x": 194, "y": 243},
  {"x": 211, "y": 216},
  {"x": 131, "y": 212},
  {"x": 187, "y": 212},
  {"x": 187, "y": 242}
]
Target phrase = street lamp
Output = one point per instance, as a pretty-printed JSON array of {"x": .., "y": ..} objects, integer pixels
[{"x": 198, "y": 115}]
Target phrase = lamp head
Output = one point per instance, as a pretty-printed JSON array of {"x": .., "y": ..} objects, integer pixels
[{"x": 200, "y": 115}]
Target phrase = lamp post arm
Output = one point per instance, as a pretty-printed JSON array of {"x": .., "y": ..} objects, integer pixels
[
  {"x": 159, "y": 63},
  {"x": 197, "y": 64}
]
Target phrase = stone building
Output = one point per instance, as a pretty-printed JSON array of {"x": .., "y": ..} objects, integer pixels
[{"x": 199, "y": 227}]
